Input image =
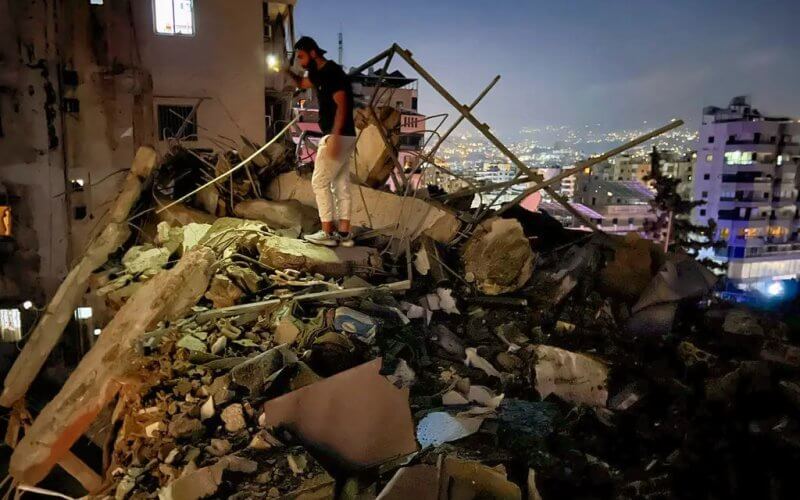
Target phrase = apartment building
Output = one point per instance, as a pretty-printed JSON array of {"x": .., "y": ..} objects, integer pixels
[{"x": 747, "y": 174}]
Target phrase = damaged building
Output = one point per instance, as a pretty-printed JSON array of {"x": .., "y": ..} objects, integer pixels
[
  {"x": 186, "y": 342},
  {"x": 84, "y": 84}
]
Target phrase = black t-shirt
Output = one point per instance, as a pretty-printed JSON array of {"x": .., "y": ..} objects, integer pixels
[{"x": 327, "y": 81}]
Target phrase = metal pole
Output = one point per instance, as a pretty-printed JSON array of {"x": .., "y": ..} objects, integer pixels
[
  {"x": 669, "y": 231},
  {"x": 460, "y": 119},
  {"x": 591, "y": 162},
  {"x": 373, "y": 61},
  {"x": 489, "y": 187},
  {"x": 482, "y": 127}
]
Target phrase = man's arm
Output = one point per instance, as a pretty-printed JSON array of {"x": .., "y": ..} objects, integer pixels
[
  {"x": 340, "y": 98},
  {"x": 302, "y": 82}
]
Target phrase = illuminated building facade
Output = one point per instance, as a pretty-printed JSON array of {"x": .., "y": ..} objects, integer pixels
[{"x": 746, "y": 173}]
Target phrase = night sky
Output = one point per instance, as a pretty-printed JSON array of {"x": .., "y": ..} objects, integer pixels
[{"x": 573, "y": 62}]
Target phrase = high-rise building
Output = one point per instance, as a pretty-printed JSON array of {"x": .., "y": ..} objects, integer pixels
[{"x": 746, "y": 173}]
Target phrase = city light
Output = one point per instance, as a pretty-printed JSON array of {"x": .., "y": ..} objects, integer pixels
[
  {"x": 10, "y": 325},
  {"x": 273, "y": 63},
  {"x": 775, "y": 289},
  {"x": 27, "y": 305},
  {"x": 83, "y": 313},
  {"x": 97, "y": 331}
]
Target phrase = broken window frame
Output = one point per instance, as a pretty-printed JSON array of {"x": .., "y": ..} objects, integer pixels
[
  {"x": 173, "y": 5},
  {"x": 176, "y": 112}
]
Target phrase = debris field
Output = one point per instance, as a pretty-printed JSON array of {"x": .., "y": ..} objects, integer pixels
[{"x": 524, "y": 360}]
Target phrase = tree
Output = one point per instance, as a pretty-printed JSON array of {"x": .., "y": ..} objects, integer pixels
[{"x": 669, "y": 204}]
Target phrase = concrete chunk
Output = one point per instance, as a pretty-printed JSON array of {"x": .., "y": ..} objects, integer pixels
[
  {"x": 499, "y": 256},
  {"x": 375, "y": 209},
  {"x": 279, "y": 214},
  {"x": 289, "y": 253},
  {"x": 109, "y": 365}
]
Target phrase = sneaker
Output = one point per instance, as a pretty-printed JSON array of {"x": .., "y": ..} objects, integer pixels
[
  {"x": 322, "y": 238},
  {"x": 345, "y": 239}
]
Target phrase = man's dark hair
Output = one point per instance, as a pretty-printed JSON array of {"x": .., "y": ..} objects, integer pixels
[{"x": 308, "y": 44}]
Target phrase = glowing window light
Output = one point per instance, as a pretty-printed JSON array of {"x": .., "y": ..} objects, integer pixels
[
  {"x": 775, "y": 289},
  {"x": 10, "y": 325},
  {"x": 5, "y": 220},
  {"x": 273, "y": 63},
  {"x": 83, "y": 313}
]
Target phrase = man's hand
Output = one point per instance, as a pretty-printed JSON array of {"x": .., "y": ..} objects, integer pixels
[
  {"x": 334, "y": 145},
  {"x": 300, "y": 81}
]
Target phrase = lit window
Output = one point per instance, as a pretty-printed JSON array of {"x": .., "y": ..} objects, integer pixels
[
  {"x": 738, "y": 158},
  {"x": 709, "y": 157},
  {"x": 10, "y": 325},
  {"x": 725, "y": 233},
  {"x": 83, "y": 313},
  {"x": 780, "y": 160},
  {"x": 5, "y": 221},
  {"x": 751, "y": 232},
  {"x": 174, "y": 17}
]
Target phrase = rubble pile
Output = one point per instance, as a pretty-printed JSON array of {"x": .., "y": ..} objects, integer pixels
[{"x": 528, "y": 361}]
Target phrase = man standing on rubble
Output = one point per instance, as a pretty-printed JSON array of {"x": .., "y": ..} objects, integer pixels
[{"x": 331, "y": 178}]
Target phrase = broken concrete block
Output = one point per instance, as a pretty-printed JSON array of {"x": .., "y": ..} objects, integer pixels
[
  {"x": 108, "y": 365},
  {"x": 279, "y": 214},
  {"x": 244, "y": 277},
  {"x": 140, "y": 259},
  {"x": 255, "y": 373},
  {"x": 219, "y": 345},
  {"x": 184, "y": 426},
  {"x": 223, "y": 292},
  {"x": 219, "y": 447},
  {"x": 380, "y": 210},
  {"x": 192, "y": 343},
  {"x": 573, "y": 377},
  {"x": 233, "y": 418},
  {"x": 742, "y": 322},
  {"x": 499, "y": 256},
  {"x": 281, "y": 253},
  {"x": 263, "y": 440},
  {"x": 781, "y": 353},
  {"x": 207, "y": 410},
  {"x": 676, "y": 281},
  {"x": 630, "y": 271},
  {"x": 373, "y": 162},
  {"x": 203, "y": 482},
  {"x": 333, "y": 416},
  {"x": 181, "y": 215}
]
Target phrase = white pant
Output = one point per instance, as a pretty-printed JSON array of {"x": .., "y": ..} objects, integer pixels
[{"x": 331, "y": 180}]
